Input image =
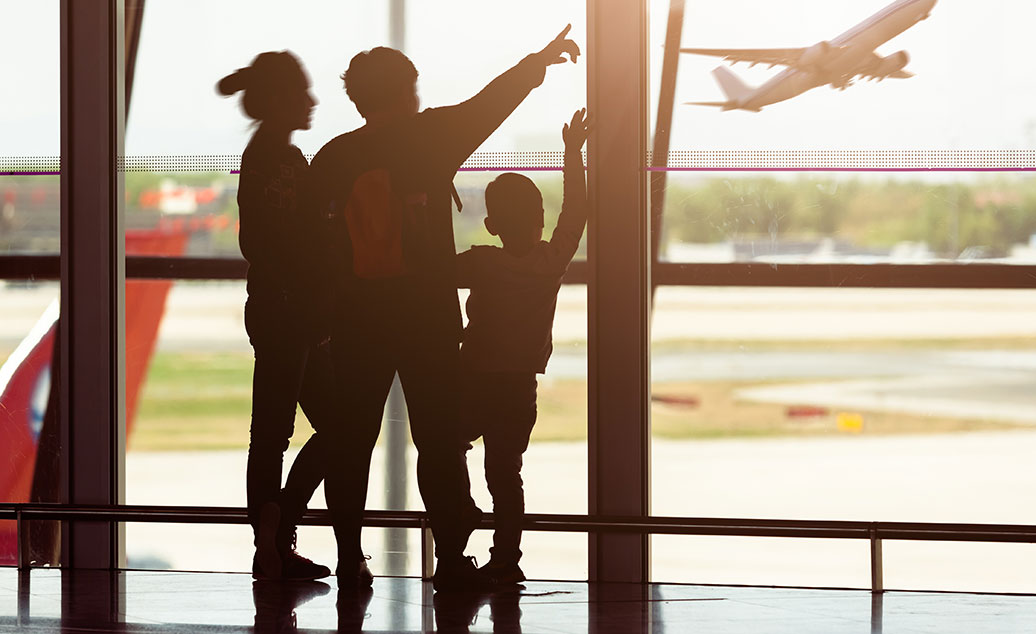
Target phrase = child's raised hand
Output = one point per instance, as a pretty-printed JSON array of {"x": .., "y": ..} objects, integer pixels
[{"x": 575, "y": 132}]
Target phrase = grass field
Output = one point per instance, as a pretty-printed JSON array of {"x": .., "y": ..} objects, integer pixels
[{"x": 198, "y": 401}]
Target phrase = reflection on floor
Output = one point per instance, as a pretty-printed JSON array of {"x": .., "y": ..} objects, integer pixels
[{"x": 49, "y": 600}]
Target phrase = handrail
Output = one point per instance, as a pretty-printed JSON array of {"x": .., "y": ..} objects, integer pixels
[
  {"x": 874, "y": 531},
  {"x": 970, "y": 275},
  {"x": 549, "y": 522},
  {"x": 841, "y": 529}
]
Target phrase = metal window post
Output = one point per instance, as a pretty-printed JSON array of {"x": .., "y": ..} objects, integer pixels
[
  {"x": 92, "y": 399},
  {"x": 619, "y": 285}
]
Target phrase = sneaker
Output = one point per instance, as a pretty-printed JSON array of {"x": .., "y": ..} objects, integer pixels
[
  {"x": 461, "y": 574},
  {"x": 267, "y": 562},
  {"x": 295, "y": 567},
  {"x": 356, "y": 576},
  {"x": 503, "y": 574}
]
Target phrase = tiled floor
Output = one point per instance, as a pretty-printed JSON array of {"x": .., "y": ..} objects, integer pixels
[{"x": 49, "y": 600}]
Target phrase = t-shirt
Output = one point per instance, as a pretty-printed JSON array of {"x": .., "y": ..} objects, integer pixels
[
  {"x": 513, "y": 299},
  {"x": 282, "y": 237},
  {"x": 392, "y": 184}
]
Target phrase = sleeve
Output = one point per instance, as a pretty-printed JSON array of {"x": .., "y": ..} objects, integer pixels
[
  {"x": 454, "y": 132},
  {"x": 565, "y": 240}
]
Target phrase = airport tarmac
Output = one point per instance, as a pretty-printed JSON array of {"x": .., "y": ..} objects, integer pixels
[
  {"x": 974, "y": 369},
  {"x": 974, "y": 477}
]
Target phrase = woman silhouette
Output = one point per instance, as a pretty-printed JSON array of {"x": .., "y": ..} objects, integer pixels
[{"x": 289, "y": 294}]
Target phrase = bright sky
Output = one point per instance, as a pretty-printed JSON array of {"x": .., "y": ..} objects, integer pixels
[{"x": 972, "y": 89}]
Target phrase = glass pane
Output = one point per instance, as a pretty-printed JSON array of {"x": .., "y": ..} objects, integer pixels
[
  {"x": 30, "y": 128},
  {"x": 849, "y": 218},
  {"x": 195, "y": 388},
  {"x": 29, "y": 224},
  {"x": 30, "y": 92},
  {"x": 943, "y": 106},
  {"x": 30, "y": 212},
  {"x": 194, "y": 120},
  {"x": 182, "y": 214},
  {"x": 30, "y": 437},
  {"x": 761, "y": 561},
  {"x": 960, "y": 567},
  {"x": 856, "y": 404},
  {"x": 189, "y": 372}
]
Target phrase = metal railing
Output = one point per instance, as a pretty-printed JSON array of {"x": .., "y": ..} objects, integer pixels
[
  {"x": 873, "y": 532},
  {"x": 941, "y": 275}
]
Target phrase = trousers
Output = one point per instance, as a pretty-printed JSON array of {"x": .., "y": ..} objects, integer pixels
[
  {"x": 291, "y": 369},
  {"x": 384, "y": 331},
  {"x": 501, "y": 407}
]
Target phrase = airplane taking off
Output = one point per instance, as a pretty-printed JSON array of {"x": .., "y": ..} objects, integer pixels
[{"x": 837, "y": 62}]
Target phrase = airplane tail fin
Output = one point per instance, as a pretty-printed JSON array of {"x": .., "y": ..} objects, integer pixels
[{"x": 735, "y": 89}]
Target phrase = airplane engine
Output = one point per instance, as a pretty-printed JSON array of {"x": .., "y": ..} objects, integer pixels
[
  {"x": 815, "y": 56},
  {"x": 891, "y": 64}
]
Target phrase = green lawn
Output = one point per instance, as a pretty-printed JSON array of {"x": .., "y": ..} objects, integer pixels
[{"x": 197, "y": 401}]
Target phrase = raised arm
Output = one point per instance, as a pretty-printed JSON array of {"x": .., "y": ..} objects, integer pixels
[
  {"x": 457, "y": 131},
  {"x": 572, "y": 221}
]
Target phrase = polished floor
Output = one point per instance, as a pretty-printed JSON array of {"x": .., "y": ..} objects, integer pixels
[{"x": 97, "y": 602}]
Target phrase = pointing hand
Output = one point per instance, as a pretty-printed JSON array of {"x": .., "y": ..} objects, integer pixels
[{"x": 553, "y": 52}]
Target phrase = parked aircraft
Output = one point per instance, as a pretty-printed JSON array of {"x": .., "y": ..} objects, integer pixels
[
  {"x": 837, "y": 62},
  {"x": 27, "y": 473}
]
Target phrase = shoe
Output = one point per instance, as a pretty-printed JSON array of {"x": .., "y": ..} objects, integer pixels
[
  {"x": 355, "y": 577},
  {"x": 503, "y": 574},
  {"x": 295, "y": 567},
  {"x": 461, "y": 575},
  {"x": 267, "y": 562}
]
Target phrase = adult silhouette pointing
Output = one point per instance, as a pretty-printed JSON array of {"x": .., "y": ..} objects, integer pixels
[{"x": 391, "y": 183}]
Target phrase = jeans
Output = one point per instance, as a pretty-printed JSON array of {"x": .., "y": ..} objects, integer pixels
[
  {"x": 501, "y": 407},
  {"x": 291, "y": 368}
]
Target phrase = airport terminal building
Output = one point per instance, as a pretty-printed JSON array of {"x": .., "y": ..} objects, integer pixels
[{"x": 793, "y": 366}]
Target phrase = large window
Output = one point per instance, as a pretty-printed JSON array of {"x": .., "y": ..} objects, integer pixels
[
  {"x": 842, "y": 403},
  {"x": 782, "y": 386},
  {"x": 29, "y": 225},
  {"x": 189, "y": 427}
]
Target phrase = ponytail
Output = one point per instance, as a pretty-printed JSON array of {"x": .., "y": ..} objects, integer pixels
[{"x": 262, "y": 82}]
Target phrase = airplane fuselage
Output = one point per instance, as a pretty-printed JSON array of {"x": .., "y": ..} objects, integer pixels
[{"x": 851, "y": 49}]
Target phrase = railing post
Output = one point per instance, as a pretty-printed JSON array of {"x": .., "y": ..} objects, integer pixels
[
  {"x": 877, "y": 580},
  {"x": 22, "y": 534},
  {"x": 24, "y": 597},
  {"x": 427, "y": 551}
]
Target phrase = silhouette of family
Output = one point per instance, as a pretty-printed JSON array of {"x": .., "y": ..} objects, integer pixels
[{"x": 352, "y": 279}]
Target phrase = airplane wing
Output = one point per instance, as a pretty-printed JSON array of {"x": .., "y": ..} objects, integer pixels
[{"x": 769, "y": 56}]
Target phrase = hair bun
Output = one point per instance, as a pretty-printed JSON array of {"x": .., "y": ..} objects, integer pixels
[{"x": 234, "y": 82}]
